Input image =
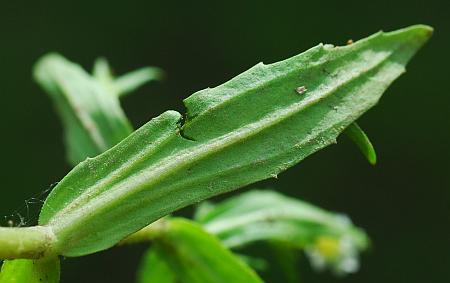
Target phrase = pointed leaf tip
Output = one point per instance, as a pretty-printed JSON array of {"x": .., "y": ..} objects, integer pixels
[
  {"x": 421, "y": 31},
  {"x": 409, "y": 40}
]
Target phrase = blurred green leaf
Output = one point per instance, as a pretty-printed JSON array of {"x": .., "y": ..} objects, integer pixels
[
  {"x": 154, "y": 269},
  {"x": 127, "y": 83},
  {"x": 270, "y": 216},
  {"x": 288, "y": 224},
  {"x": 197, "y": 257},
  {"x": 248, "y": 129},
  {"x": 102, "y": 73},
  {"x": 267, "y": 215},
  {"x": 357, "y": 135},
  {"x": 92, "y": 117},
  {"x": 131, "y": 81},
  {"x": 44, "y": 270}
]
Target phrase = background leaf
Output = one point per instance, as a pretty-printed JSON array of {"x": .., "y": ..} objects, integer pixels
[
  {"x": 269, "y": 216},
  {"x": 92, "y": 117},
  {"x": 286, "y": 224},
  {"x": 126, "y": 83}
]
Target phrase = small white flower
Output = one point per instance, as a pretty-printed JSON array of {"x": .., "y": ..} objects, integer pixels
[{"x": 339, "y": 254}]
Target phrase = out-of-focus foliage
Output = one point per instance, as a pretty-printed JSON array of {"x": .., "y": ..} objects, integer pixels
[
  {"x": 330, "y": 239},
  {"x": 289, "y": 225},
  {"x": 194, "y": 256},
  {"x": 88, "y": 105}
]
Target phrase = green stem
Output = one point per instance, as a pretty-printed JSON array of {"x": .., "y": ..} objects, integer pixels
[{"x": 28, "y": 242}]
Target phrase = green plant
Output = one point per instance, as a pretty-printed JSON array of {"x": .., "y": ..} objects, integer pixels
[{"x": 251, "y": 128}]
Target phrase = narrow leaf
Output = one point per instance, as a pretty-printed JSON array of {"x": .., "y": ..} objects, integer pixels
[
  {"x": 270, "y": 216},
  {"x": 44, "y": 270},
  {"x": 131, "y": 81},
  {"x": 127, "y": 83},
  {"x": 93, "y": 119},
  {"x": 267, "y": 215},
  {"x": 102, "y": 73},
  {"x": 248, "y": 129},
  {"x": 197, "y": 257},
  {"x": 357, "y": 135}
]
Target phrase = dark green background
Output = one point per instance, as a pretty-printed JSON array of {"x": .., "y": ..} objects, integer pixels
[{"x": 403, "y": 202}]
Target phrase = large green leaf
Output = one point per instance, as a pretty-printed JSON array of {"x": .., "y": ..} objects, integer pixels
[
  {"x": 248, "y": 129},
  {"x": 269, "y": 216},
  {"x": 45, "y": 270},
  {"x": 196, "y": 256}
]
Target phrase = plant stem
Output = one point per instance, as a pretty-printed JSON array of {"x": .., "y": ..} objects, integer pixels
[{"x": 29, "y": 242}]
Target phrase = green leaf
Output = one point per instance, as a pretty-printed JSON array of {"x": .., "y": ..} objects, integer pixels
[
  {"x": 127, "y": 83},
  {"x": 92, "y": 117},
  {"x": 288, "y": 224},
  {"x": 197, "y": 257},
  {"x": 103, "y": 73},
  {"x": 154, "y": 269},
  {"x": 248, "y": 129},
  {"x": 357, "y": 135},
  {"x": 270, "y": 216},
  {"x": 267, "y": 215},
  {"x": 44, "y": 270}
]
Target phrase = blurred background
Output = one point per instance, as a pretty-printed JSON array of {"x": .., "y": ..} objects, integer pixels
[{"x": 403, "y": 202}]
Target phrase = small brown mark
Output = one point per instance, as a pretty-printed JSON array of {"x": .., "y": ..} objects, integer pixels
[
  {"x": 350, "y": 41},
  {"x": 301, "y": 89}
]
